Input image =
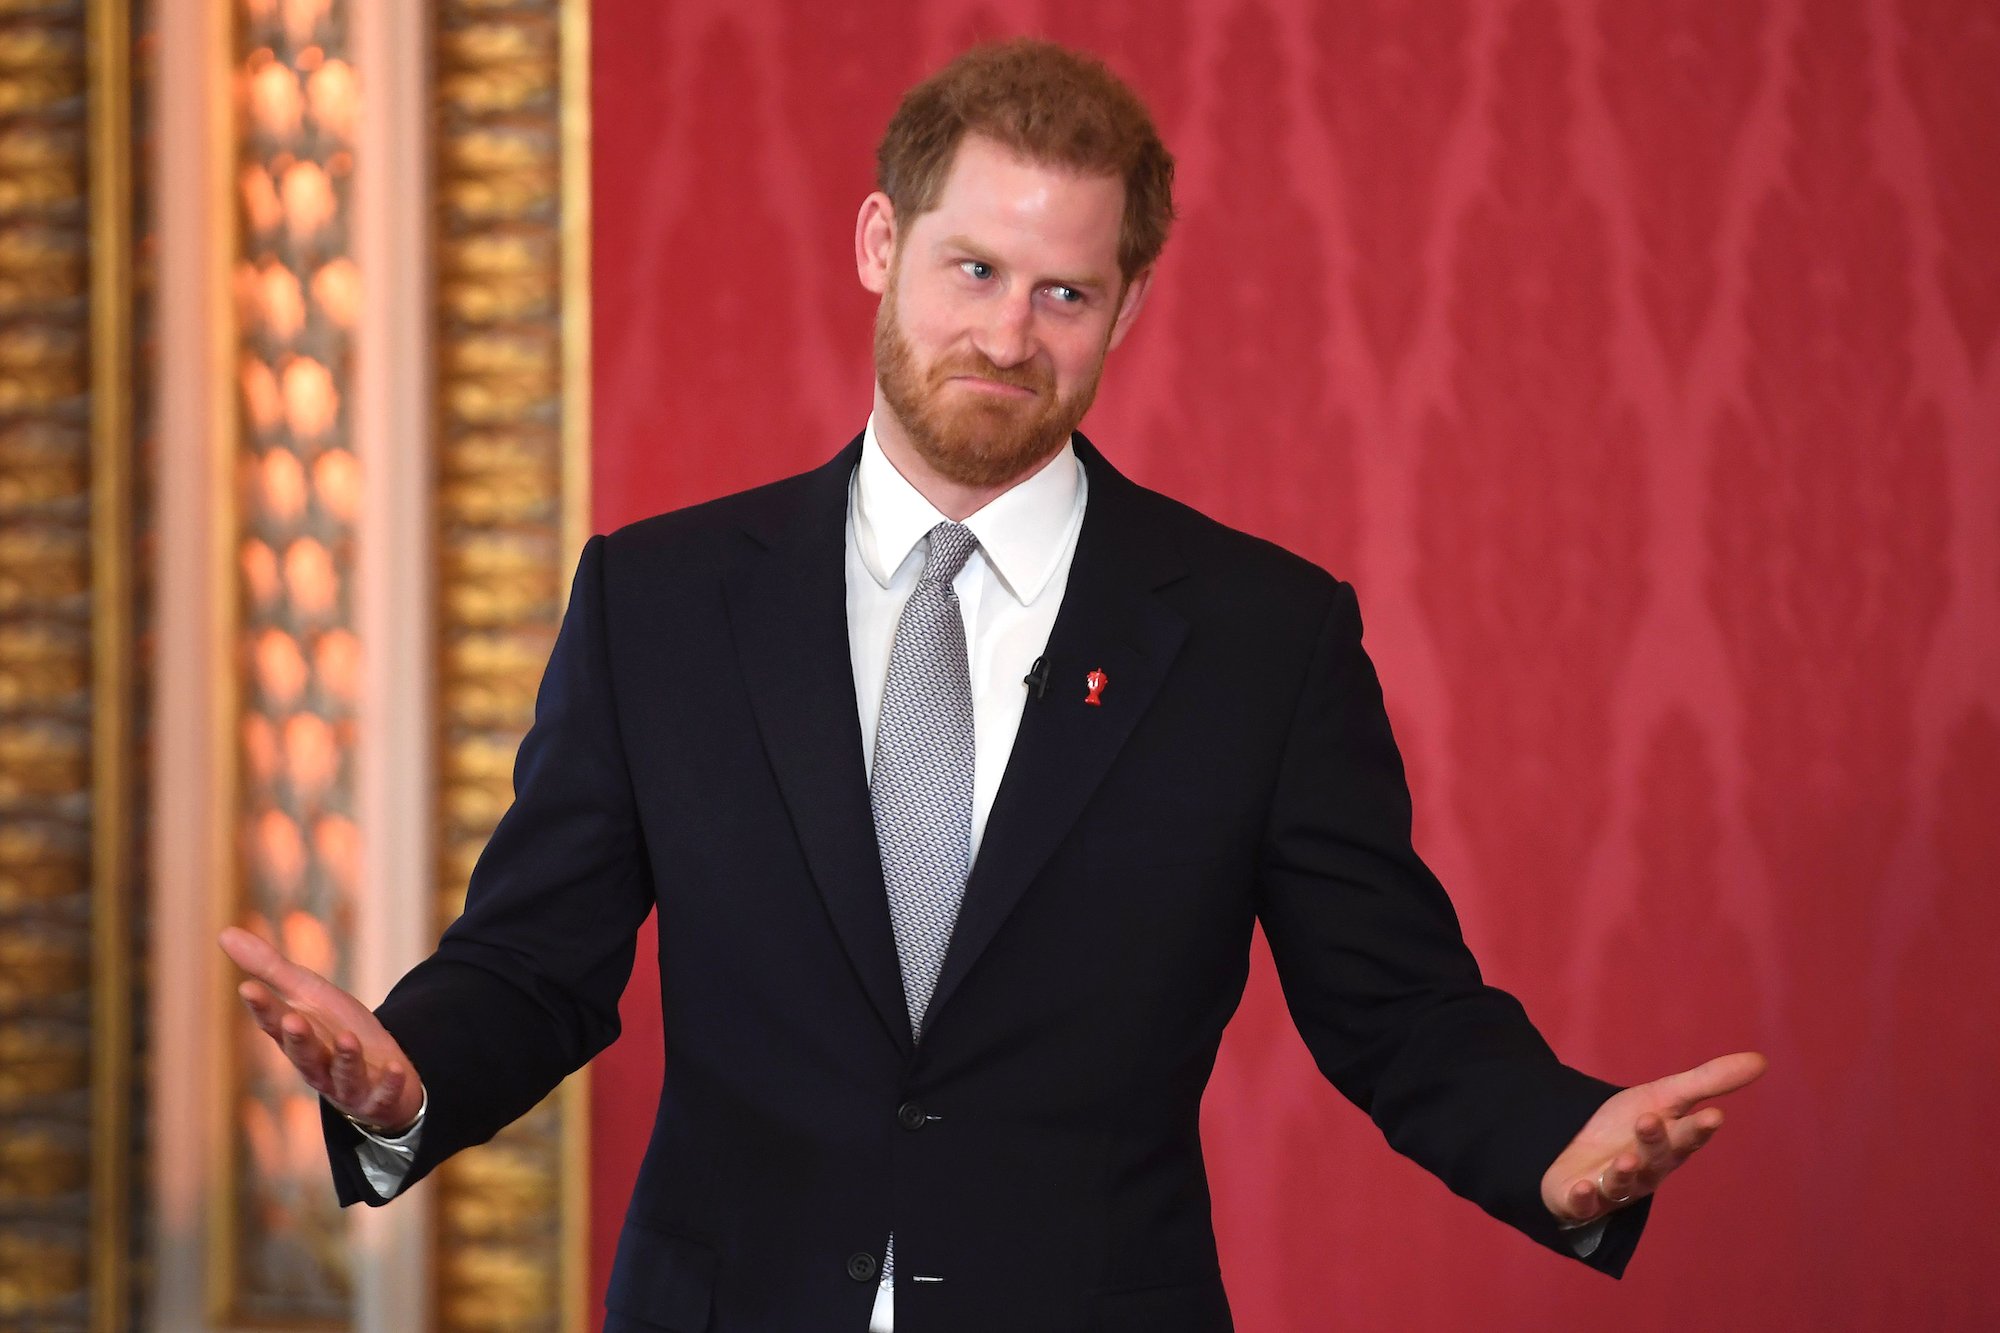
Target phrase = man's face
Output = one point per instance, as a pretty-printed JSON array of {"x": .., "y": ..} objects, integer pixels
[{"x": 998, "y": 307}]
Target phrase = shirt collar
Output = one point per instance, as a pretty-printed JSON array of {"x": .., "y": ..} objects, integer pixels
[{"x": 1022, "y": 532}]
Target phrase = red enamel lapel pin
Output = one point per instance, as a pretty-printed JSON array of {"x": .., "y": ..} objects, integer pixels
[{"x": 1095, "y": 681}]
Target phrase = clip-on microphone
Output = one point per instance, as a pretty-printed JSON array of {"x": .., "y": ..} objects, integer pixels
[{"x": 1038, "y": 678}]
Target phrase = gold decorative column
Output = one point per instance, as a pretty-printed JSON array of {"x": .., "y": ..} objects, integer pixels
[
  {"x": 68, "y": 644},
  {"x": 281, "y": 1248},
  {"x": 512, "y": 340}
]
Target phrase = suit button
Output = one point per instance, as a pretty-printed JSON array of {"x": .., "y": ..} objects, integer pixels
[
  {"x": 861, "y": 1267},
  {"x": 910, "y": 1116}
]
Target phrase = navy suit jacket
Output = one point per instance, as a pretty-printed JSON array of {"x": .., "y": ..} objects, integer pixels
[{"x": 696, "y": 751}]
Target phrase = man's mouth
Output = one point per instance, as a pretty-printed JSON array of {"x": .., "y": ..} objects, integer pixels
[{"x": 999, "y": 388}]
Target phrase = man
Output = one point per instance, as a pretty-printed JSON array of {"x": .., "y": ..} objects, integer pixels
[{"x": 959, "y": 770}]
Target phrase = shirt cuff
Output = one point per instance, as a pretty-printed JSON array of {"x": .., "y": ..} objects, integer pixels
[
  {"x": 405, "y": 1140},
  {"x": 385, "y": 1159},
  {"x": 1584, "y": 1236}
]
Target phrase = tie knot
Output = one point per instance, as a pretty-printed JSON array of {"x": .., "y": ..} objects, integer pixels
[{"x": 951, "y": 547}]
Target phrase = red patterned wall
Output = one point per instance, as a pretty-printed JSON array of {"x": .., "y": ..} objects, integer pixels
[{"x": 1637, "y": 362}]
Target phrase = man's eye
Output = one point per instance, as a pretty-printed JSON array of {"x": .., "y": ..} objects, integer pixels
[
  {"x": 976, "y": 268},
  {"x": 1067, "y": 295}
]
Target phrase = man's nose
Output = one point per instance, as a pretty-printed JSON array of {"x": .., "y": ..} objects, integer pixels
[{"x": 1007, "y": 336}]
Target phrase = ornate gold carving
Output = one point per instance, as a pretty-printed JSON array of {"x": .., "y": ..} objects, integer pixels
[
  {"x": 39, "y": 1060},
  {"x": 40, "y": 171},
  {"x": 39, "y": 866},
  {"x": 39, "y": 1272},
  {"x": 40, "y": 462},
  {"x": 510, "y": 1218},
  {"x": 284, "y": 1242},
  {"x": 503, "y": 1192},
  {"x": 66, "y": 627},
  {"x": 42, "y": 566},
  {"x": 41, "y": 1164},
  {"x": 36, "y": 963},
  {"x": 42, "y": 68},
  {"x": 40, "y": 667}
]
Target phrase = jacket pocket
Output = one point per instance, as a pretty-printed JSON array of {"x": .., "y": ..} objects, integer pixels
[{"x": 662, "y": 1280}]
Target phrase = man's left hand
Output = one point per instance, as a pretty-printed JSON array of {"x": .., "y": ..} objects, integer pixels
[{"x": 1638, "y": 1137}]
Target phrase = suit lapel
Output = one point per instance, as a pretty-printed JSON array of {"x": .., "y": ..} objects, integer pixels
[
  {"x": 788, "y": 613},
  {"x": 1111, "y": 620}
]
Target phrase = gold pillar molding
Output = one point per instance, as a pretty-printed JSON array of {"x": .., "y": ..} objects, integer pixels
[
  {"x": 67, "y": 644},
  {"x": 280, "y": 1249},
  {"x": 116, "y": 460},
  {"x": 513, "y": 383}
]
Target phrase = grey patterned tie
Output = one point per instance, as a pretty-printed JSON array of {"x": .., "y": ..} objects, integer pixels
[{"x": 921, "y": 782}]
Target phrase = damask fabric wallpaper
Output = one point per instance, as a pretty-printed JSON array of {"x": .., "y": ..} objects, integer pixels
[{"x": 1637, "y": 363}]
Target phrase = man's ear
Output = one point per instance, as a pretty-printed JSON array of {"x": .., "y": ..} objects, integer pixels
[
  {"x": 875, "y": 242},
  {"x": 1128, "y": 305}
]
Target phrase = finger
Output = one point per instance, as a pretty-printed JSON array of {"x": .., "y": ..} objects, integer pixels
[
  {"x": 252, "y": 953},
  {"x": 1691, "y": 1132},
  {"x": 1655, "y": 1148},
  {"x": 1724, "y": 1074},
  {"x": 264, "y": 1007},
  {"x": 387, "y": 1092},
  {"x": 261, "y": 959},
  {"x": 1619, "y": 1182},
  {"x": 306, "y": 1051},
  {"x": 350, "y": 1076},
  {"x": 378, "y": 1103},
  {"x": 1584, "y": 1201}
]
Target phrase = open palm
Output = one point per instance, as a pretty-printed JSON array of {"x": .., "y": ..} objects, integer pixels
[
  {"x": 1640, "y": 1136},
  {"x": 338, "y": 1046}
]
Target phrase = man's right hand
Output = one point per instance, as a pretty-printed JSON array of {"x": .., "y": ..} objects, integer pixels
[{"x": 338, "y": 1046}]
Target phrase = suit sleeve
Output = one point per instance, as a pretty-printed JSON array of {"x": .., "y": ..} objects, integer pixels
[
  {"x": 524, "y": 987},
  {"x": 1377, "y": 975}
]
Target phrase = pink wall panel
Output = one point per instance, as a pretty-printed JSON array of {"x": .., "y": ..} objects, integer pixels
[{"x": 1637, "y": 362}]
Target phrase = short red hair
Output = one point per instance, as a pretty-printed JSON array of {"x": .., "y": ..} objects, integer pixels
[{"x": 1049, "y": 104}]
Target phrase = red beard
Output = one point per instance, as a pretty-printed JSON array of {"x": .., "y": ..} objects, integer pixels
[{"x": 974, "y": 439}]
